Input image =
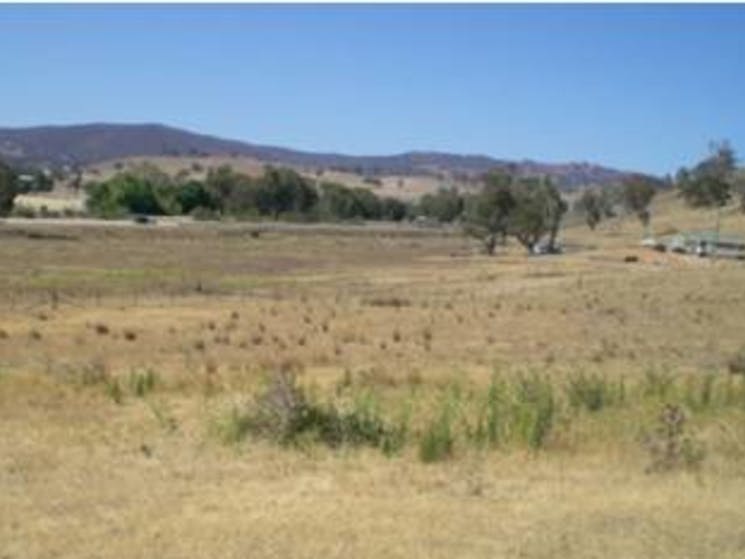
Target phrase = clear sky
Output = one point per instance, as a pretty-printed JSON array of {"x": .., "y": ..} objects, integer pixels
[{"x": 636, "y": 87}]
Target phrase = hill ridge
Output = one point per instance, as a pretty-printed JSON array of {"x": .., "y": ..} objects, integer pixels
[{"x": 91, "y": 143}]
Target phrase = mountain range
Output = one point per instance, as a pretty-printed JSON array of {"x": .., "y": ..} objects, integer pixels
[{"x": 87, "y": 144}]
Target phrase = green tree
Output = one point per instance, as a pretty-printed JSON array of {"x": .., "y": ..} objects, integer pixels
[
  {"x": 556, "y": 207},
  {"x": 122, "y": 194},
  {"x": 340, "y": 202},
  {"x": 445, "y": 206},
  {"x": 539, "y": 209},
  {"x": 282, "y": 190},
  {"x": 8, "y": 188},
  {"x": 393, "y": 209},
  {"x": 710, "y": 184},
  {"x": 232, "y": 192},
  {"x": 595, "y": 205},
  {"x": 525, "y": 208},
  {"x": 337, "y": 201},
  {"x": 220, "y": 183},
  {"x": 194, "y": 194},
  {"x": 367, "y": 204},
  {"x": 487, "y": 213},
  {"x": 637, "y": 194},
  {"x": 738, "y": 186},
  {"x": 144, "y": 189}
]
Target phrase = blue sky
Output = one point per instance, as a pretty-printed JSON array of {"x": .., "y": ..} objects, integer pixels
[{"x": 635, "y": 87}]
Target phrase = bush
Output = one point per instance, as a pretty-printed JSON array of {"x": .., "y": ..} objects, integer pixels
[
  {"x": 490, "y": 425},
  {"x": 233, "y": 427},
  {"x": 670, "y": 446},
  {"x": 700, "y": 391},
  {"x": 438, "y": 439},
  {"x": 144, "y": 190},
  {"x": 283, "y": 412},
  {"x": 593, "y": 392},
  {"x": 535, "y": 410},
  {"x": 142, "y": 382},
  {"x": 114, "y": 390},
  {"x": 657, "y": 384},
  {"x": 444, "y": 206}
]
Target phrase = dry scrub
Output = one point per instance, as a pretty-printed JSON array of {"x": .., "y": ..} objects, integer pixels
[{"x": 432, "y": 403}]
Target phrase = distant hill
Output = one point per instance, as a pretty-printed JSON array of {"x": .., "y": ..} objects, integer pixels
[{"x": 86, "y": 144}]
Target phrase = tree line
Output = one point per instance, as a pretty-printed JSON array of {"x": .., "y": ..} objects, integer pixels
[
  {"x": 20, "y": 181},
  {"x": 528, "y": 209},
  {"x": 278, "y": 193},
  {"x": 712, "y": 183}
]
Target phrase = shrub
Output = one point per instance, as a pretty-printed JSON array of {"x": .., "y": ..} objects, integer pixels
[
  {"x": 114, "y": 390},
  {"x": 700, "y": 391},
  {"x": 535, "y": 410},
  {"x": 142, "y": 382},
  {"x": 489, "y": 429},
  {"x": 657, "y": 384},
  {"x": 283, "y": 412},
  {"x": 233, "y": 427},
  {"x": 670, "y": 446},
  {"x": 592, "y": 392},
  {"x": 438, "y": 439},
  {"x": 93, "y": 373},
  {"x": 395, "y": 438}
]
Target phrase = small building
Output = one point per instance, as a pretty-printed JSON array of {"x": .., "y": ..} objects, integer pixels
[{"x": 707, "y": 243}]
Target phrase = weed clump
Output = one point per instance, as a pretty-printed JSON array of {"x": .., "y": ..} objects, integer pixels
[
  {"x": 736, "y": 363},
  {"x": 142, "y": 382},
  {"x": 438, "y": 439},
  {"x": 593, "y": 392},
  {"x": 93, "y": 373},
  {"x": 535, "y": 411},
  {"x": 490, "y": 424},
  {"x": 285, "y": 413},
  {"x": 114, "y": 390},
  {"x": 699, "y": 392},
  {"x": 657, "y": 384},
  {"x": 670, "y": 445}
]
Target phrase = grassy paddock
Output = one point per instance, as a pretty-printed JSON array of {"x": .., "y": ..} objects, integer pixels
[{"x": 434, "y": 402}]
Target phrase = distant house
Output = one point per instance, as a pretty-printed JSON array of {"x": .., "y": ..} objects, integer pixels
[{"x": 707, "y": 243}]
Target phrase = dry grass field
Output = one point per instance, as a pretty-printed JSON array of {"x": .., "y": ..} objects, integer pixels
[{"x": 519, "y": 397}]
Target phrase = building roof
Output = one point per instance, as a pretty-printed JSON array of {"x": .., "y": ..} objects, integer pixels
[{"x": 709, "y": 237}]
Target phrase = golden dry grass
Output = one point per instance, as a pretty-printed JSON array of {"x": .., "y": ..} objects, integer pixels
[{"x": 211, "y": 308}]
